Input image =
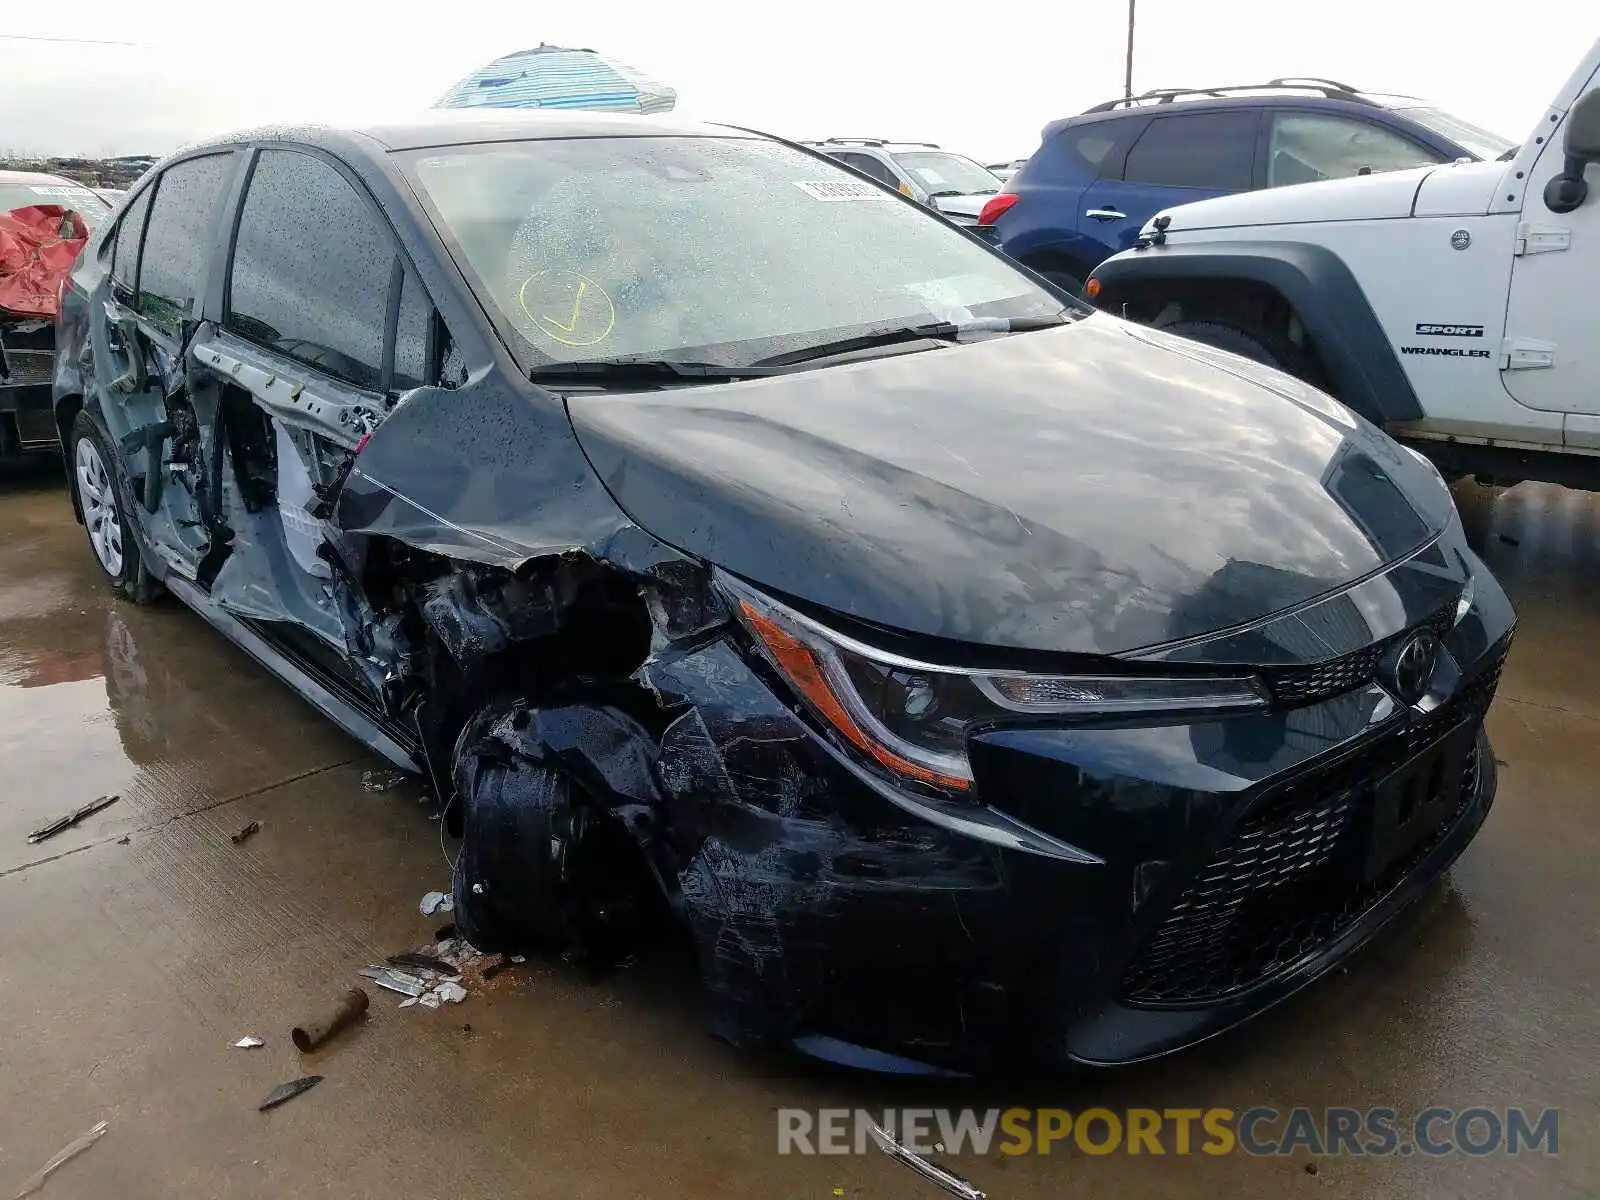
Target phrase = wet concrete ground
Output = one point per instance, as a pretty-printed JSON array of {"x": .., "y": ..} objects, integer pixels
[{"x": 134, "y": 949}]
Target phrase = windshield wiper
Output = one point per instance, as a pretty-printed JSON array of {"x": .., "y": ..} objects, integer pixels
[
  {"x": 938, "y": 331},
  {"x": 623, "y": 372}
]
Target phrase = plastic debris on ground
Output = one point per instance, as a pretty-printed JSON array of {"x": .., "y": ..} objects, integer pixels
[
  {"x": 285, "y": 1092},
  {"x": 931, "y": 1171},
  {"x": 245, "y": 834},
  {"x": 426, "y": 962},
  {"x": 68, "y": 1152},
  {"x": 382, "y": 781},
  {"x": 438, "y": 902},
  {"x": 72, "y": 818},
  {"x": 450, "y": 992},
  {"x": 395, "y": 981},
  {"x": 248, "y": 1042}
]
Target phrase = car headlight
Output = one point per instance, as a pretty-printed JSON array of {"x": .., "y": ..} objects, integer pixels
[{"x": 913, "y": 717}]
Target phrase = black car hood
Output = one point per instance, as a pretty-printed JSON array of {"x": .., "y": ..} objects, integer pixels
[{"x": 1092, "y": 489}]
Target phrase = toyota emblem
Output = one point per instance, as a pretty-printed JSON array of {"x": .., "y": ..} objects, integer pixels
[{"x": 1413, "y": 666}]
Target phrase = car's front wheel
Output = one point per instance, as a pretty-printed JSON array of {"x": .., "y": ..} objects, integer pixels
[{"x": 99, "y": 500}]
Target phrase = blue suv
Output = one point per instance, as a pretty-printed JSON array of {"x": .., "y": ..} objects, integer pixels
[{"x": 1098, "y": 177}]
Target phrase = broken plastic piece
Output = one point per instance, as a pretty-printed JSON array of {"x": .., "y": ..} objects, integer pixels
[
  {"x": 452, "y": 993},
  {"x": 288, "y": 1091},
  {"x": 428, "y": 1000},
  {"x": 408, "y": 1002},
  {"x": 395, "y": 981},
  {"x": 71, "y": 819},
  {"x": 932, "y": 1172},
  {"x": 249, "y": 831},
  {"x": 352, "y": 1006},
  {"x": 437, "y": 902},
  {"x": 68, "y": 1152},
  {"x": 425, "y": 962},
  {"x": 248, "y": 1042}
]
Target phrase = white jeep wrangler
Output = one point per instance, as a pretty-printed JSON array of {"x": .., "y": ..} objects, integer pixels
[{"x": 1456, "y": 306}]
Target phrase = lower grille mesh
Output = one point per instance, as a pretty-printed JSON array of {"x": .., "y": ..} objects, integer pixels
[{"x": 1281, "y": 888}]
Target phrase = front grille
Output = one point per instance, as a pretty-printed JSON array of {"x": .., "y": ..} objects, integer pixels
[
  {"x": 28, "y": 367},
  {"x": 1295, "y": 686},
  {"x": 1283, "y": 886}
]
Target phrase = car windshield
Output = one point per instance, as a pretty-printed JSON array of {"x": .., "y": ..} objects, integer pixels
[
  {"x": 1480, "y": 142},
  {"x": 943, "y": 174},
  {"x": 706, "y": 249},
  {"x": 80, "y": 199}
]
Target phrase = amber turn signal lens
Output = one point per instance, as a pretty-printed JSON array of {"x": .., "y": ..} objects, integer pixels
[{"x": 805, "y": 671}]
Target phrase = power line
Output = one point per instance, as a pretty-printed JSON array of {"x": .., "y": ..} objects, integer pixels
[{"x": 24, "y": 37}]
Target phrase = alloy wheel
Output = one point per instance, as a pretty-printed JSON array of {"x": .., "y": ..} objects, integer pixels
[{"x": 99, "y": 499}]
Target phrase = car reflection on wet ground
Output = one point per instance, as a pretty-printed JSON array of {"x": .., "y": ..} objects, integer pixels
[{"x": 139, "y": 945}]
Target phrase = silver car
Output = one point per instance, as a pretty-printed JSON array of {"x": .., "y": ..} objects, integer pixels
[{"x": 951, "y": 183}]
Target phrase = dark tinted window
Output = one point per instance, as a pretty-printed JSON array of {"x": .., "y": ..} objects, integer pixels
[
  {"x": 311, "y": 268},
  {"x": 411, "y": 336},
  {"x": 1092, "y": 146},
  {"x": 870, "y": 166},
  {"x": 1205, "y": 150},
  {"x": 125, "y": 253},
  {"x": 180, "y": 237}
]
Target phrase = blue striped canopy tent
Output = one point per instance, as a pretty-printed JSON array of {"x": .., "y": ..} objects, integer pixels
[{"x": 556, "y": 77}]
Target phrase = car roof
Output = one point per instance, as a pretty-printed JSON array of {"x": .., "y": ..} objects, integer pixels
[
  {"x": 883, "y": 144},
  {"x": 1353, "y": 105},
  {"x": 38, "y": 178},
  {"x": 467, "y": 126}
]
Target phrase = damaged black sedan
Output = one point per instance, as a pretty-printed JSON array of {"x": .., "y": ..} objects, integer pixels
[{"x": 978, "y": 680}]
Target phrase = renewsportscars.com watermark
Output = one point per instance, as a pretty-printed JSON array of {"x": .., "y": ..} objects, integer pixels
[{"x": 1261, "y": 1131}]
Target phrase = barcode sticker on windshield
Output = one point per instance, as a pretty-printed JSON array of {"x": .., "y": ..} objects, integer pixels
[
  {"x": 839, "y": 189},
  {"x": 60, "y": 191}
]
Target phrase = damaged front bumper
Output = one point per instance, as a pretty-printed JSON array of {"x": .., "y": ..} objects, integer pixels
[{"x": 1114, "y": 892}]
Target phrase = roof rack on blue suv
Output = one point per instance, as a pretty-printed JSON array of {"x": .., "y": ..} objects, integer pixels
[
  {"x": 1330, "y": 88},
  {"x": 1096, "y": 178}
]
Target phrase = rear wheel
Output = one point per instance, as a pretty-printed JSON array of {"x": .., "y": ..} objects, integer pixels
[
  {"x": 99, "y": 499},
  {"x": 1253, "y": 344}
]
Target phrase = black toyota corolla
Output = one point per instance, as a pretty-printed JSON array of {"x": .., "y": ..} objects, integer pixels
[{"x": 978, "y": 680}]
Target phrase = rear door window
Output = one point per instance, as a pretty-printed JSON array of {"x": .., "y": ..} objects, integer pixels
[
  {"x": 1307, "y": 147},
  {"x": 1215, "y": 151},
  {"x": 1093, "y": 146},
  {"x": 125, "y": 250},
  {"x": 311, "y": 268},
  {"x": 179, "y": 239}
]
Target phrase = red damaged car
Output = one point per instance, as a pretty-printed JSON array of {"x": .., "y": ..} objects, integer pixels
[{"x": 45, "y": 221}]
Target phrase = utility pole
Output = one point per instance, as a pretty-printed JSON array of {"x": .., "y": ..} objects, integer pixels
[{"x": 1127, "y": 78}]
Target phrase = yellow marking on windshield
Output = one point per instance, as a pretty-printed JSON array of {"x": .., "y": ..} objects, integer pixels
[{"x": 591, "y": 319}]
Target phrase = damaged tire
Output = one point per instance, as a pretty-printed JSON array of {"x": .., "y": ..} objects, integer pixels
[
  {"x": 543, "y": 867},
  {"x": 97, "y": 484}
]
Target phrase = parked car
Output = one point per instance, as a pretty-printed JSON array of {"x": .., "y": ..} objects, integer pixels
[
  {"x": 950, "y": 183},
  {"x": 38, "y": 238},
  {"x": 1005, "y": 170},
  {"x": 720, "y": 532},
  {"x": 1479, "y": 353},
  {"x": 1099, "y": 176}
]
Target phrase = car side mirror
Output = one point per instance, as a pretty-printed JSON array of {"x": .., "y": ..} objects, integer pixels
[{"x": 1581, "y": 146}]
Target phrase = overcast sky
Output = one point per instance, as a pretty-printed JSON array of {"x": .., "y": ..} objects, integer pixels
[{"x": 979, "y": 78}]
